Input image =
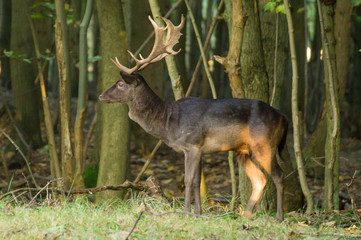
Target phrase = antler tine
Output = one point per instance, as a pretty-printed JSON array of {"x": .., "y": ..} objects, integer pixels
[
  {"x": 173, "y": 34},
  {"x": 121, "y": 67},
  {"x": 160, "y": 49}
]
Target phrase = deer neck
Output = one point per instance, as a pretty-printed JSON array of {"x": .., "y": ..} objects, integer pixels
[{"x": 149, "y": 111}]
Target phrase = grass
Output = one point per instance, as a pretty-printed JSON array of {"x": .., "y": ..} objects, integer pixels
[{"x": 82, "y": 219}]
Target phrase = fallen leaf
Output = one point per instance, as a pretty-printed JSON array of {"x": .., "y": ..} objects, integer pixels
[
  {"x": 330, "y": 224},
  {"x": 148, "y": 172},
  {"x": 302, "y": 224},
  {"x": 167, "y": 181},
  {"x": 171, "y": 168}
]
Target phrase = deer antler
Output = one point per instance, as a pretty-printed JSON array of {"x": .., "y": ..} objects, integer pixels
[{"x": 160, "y": 48}]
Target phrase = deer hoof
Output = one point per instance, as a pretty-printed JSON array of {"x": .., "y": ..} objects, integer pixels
[{"x": 247, "y": 214}]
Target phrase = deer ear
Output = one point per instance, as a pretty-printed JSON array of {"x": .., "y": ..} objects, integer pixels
[{"x": 129, "y": 78}]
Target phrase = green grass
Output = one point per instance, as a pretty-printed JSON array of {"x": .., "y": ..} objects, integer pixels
[{"x": 84, "y": 220}]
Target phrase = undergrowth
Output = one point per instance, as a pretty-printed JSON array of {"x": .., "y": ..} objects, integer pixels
[{"x": 81, "y": 219}]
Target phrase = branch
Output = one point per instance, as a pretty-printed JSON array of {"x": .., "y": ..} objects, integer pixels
[
  {"x": 205, "y": 47},
  {"x": 205, "y": 64},
  {"x": 136, "y": 186}
]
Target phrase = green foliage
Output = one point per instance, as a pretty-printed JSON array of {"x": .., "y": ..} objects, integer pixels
[
  {"x": 90, "y": 176},
  {"x": 94, "y": 59},
  {"x": 357, "y": 18},
  {"x": 356, "y": 2},
  {"x": 275, "y": 5},
  {"x": 22, "y": 57},
  {"x": 48, "y": 9}
]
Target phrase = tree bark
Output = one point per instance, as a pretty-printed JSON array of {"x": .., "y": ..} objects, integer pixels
[
  {"x": 343, "y": 13},
  {"x": 62, "y": 54},
  {"x": 255, "y": 83},
  {"x": 82, "y": 95},
  {"x": 26, "y": 94},
  {"x": 298, "y": 17},
  {"x": 74, "y": 28},
  {"x": 275, "y": 30},
  {"x": 5, "y": 28},
  {"x": 113, "y": 118},
  {"x": 332, "y": 145}
]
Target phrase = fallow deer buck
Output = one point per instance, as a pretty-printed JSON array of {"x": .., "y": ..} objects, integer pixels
[{"x": 251, "y": 128}]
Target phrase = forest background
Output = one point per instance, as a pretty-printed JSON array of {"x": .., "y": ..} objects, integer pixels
[{"x": 55, "y": 61}]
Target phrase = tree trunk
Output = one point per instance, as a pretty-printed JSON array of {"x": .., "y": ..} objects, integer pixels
[
  {"x": 298, "y": 17},
  {"x": 63, "y": 58},
  {"x": 332, "y": 145},
  {"x": 5, "y": 27},
  {"x": 26, "y": 94},
  {"x": 275, "y": 59},
  {"x": 343, "y": 13},
  {"x": 76, "y": 13},
  {"x": 255, "y": 83},
  {"x": 113, "y": 121}
]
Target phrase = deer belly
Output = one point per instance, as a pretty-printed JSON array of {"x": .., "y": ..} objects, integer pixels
[{"x": 226, "y": 139}]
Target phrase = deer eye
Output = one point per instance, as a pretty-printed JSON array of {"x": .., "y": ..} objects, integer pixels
[{"x": 120, "y": 85}]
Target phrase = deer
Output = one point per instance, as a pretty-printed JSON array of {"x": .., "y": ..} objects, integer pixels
[{"x": 255, "y": 131}]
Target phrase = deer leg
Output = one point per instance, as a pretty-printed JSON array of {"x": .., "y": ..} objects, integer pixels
[
  {"x": 192, "y": 160},
  {"x": 277, "y": 177},
  {"x": 196, "y": 186},
  {"x": 258, "y": 181},
  {"x": 269, "y": 163}
]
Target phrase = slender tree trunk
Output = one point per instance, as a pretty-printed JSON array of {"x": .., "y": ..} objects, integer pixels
[
  {"x": 74, "y": 27},
  {"x": 113, "y": 121},
  {"x": 82, "y": 95},
  {"x": 54, "y": 162},
  {"x": 63, "y": 58},
  {"x": 343, "y": 13},
  {"x": 295, "y": 115},
  {"x": 332, "y": 146},
  {"x": 298, "y": 17}
]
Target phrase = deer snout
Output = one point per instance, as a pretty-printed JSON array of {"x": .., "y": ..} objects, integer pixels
[{"x": 104, "y": 98}]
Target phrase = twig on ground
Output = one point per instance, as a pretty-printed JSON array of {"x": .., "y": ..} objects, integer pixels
[
  {"x": 330, "y": 234},
  {"x": 353, "y": 205},
  {"x": 89, "y": 137},
  {"x": 137, "y": 186},
  {"x": 146, "y": 210},
  {"x": 22, "y": 155},
  {"x": 32, "y": 200},
  {"x": 12, "y": 120}
]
